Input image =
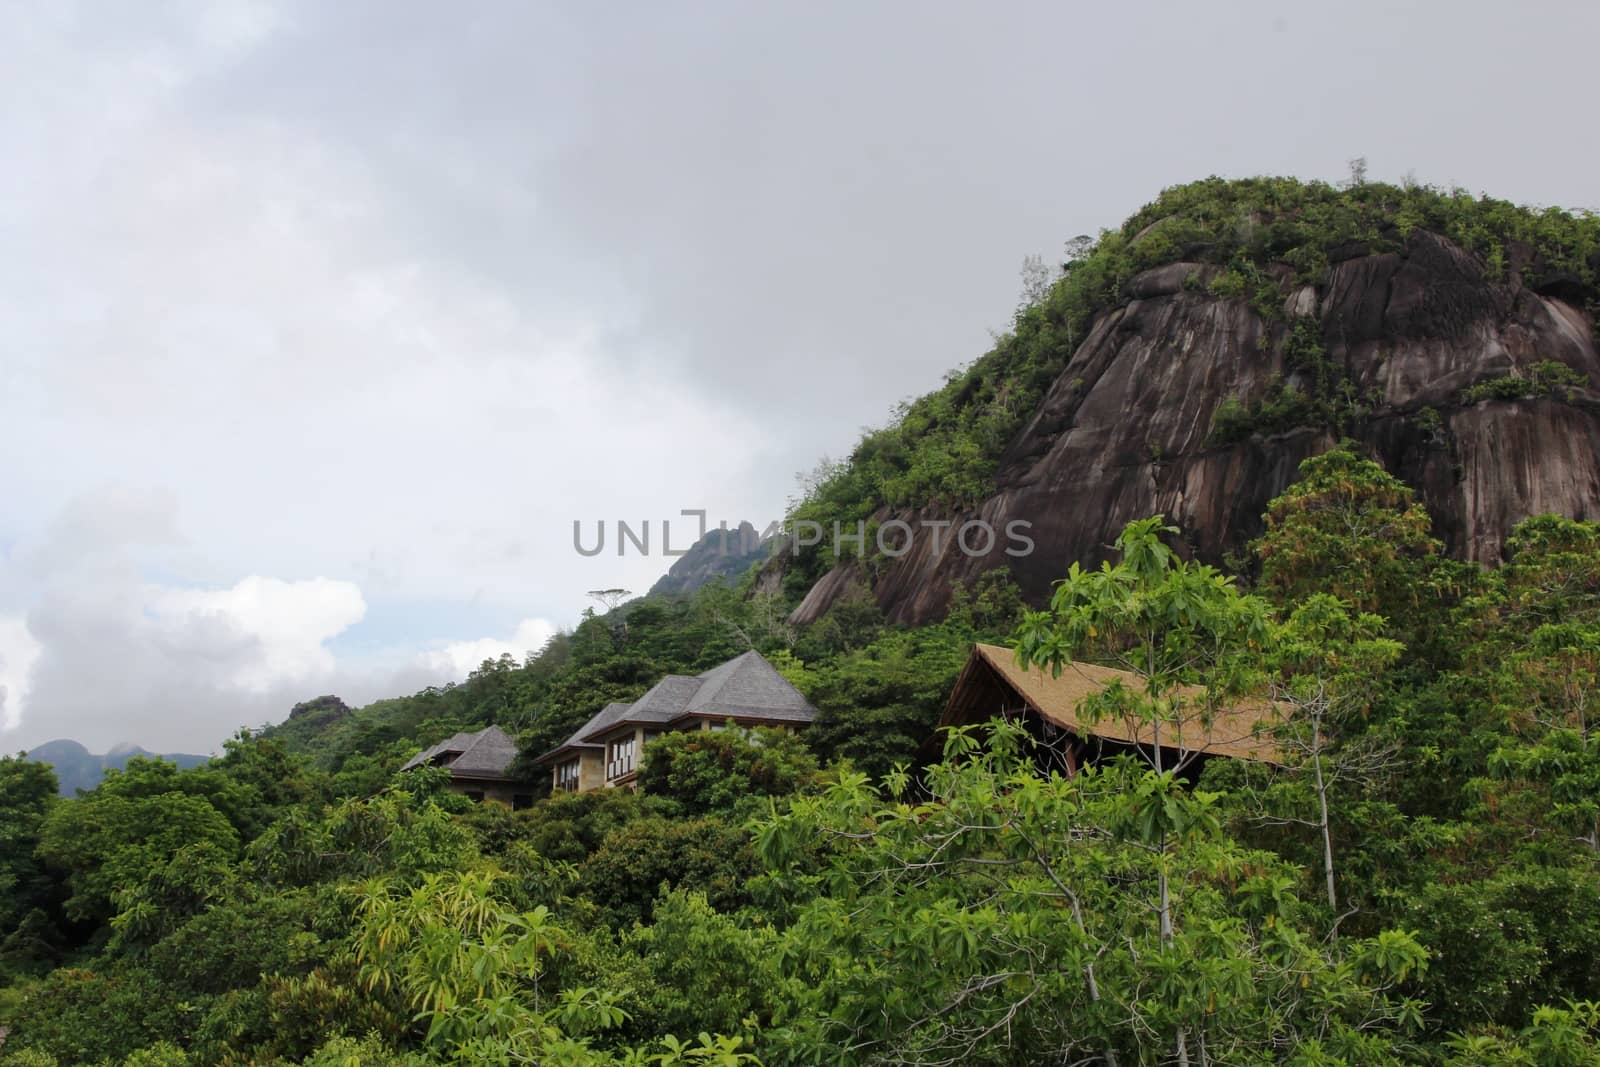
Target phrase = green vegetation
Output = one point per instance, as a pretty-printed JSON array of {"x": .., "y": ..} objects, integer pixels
[
  {"x": 1546, "y": 378},
  {"x": 1327, "y": 400},
  {"x": 1414, "y": 884},
  {"x": 1285, "y": 407},
  {"x": 725, "y": 770}
]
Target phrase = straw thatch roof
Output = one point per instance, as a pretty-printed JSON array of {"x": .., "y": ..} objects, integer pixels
[{"x": 992, "y": 683}]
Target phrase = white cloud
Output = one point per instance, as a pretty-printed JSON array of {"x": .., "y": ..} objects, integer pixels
[
  {"x": 268, "y": 630},
  {"x": 18, "y": 653},
  {"x": 109, "y": 632},
  {"x": 460, "y": 658},
  {"x": 105, "y": 658},
  {"x": 403, "y": 331}
]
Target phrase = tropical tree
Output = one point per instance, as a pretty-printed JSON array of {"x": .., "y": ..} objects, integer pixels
[
  {"x": 27, "y": 794},
  {"x": 1350, "y": 529},
  {"x": 1328, "y": 667},
  {"x": 724, "y": 769},
  {"x": 478, "y": 973},
  {"x": 1181, "y": 628},
  {"x": 103, "y": 843},
  {"x": 1008, "y": 919}
]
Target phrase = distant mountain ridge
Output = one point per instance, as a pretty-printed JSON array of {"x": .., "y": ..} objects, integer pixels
[
  {"x": 77, "y": 768},
  {"x": 720, "y": 554}
]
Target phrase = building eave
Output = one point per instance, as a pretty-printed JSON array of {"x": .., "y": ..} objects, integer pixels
[{"x": 578, "y": 749}]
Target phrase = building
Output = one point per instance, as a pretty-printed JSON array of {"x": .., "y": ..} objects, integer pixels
[
  {"x": 992, "y": 685},
  {"x": 479, "y": 765},
  {"x": 605, "y": 751}
]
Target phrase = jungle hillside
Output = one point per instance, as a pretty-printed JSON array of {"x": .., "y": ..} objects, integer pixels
[{"x": 1415, "y": 879}]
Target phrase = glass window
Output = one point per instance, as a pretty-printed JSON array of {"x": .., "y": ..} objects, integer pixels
[
  {"x": 619, "y": 757},
  {"x": 567, "y": 774}
]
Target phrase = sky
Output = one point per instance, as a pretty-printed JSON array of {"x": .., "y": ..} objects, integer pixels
[{"x": 322, "y": 323}]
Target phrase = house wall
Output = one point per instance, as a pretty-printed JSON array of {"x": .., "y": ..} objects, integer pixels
[{"x": 591, "y": 770}]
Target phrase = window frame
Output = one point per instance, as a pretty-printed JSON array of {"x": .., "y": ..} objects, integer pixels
[{"x": 621, "y": 757}]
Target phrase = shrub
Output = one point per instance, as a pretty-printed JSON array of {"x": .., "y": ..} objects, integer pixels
[
  {"x": 1547, "y": 377},
  {"x": 723, "y": 769},
  {"x": 649, "y": 855}
]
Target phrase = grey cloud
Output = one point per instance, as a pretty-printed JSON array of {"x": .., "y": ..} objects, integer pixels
[{"x": 373, "y": 289}]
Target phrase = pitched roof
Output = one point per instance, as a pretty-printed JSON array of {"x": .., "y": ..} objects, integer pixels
[
  {"x": 746, "y": 684},
  {"x": 484, "y": 754},
  {"x": 663, "y": 702},
  {"x": 1235, "y": 730},
  {"x": 598, "y": 721},
  {"x": 745, "y": 687}
]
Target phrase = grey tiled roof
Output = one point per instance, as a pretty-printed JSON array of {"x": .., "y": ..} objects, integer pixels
[
  {"x": 748, "y": 686},
  {"x": 484, "y": 754},
  {"x": 665, "y": 701},
  {"x": 600, "y": 720},
  {"x": 745, "y": 687}
]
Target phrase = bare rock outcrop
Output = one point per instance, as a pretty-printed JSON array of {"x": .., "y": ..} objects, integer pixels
[
  {"x": 1126, "y": 430},
  {"x": 721, "y": 555}
]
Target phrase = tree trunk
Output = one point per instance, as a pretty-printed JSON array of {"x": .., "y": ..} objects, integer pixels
[{"x": 1322, "y": 806}]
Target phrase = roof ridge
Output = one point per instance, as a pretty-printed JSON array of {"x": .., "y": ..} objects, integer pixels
[
  {"x": 480, "y": 736},
  {"x": 712, "y": 683},
  {"x": 463, "y": 743},
  {"x": 594, "y": 722}
]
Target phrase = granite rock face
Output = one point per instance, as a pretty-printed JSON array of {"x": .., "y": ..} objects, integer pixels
[
  {"x": 721, "y": 555},
  {"x": 1125, "y": 431}
]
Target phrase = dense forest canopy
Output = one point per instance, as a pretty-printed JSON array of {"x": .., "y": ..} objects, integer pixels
[{"x": 1415, "y": 881}]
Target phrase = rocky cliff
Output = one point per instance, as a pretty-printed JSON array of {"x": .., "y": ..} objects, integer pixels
[
  {"x": 1182, "y": 401},
  {"x": 721, "y": 555}
]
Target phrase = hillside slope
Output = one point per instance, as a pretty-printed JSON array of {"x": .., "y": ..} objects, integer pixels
[
  {"x": 721, "y": 555},
  {"x": 1230, "y": 330},
  {"x": 77, "y": 768}
]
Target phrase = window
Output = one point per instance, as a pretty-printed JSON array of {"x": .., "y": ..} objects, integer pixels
[
  {"x": 475, "y": 795},
  {"x": 619, "y": 758},
  {"x": 567, "y": 774}
]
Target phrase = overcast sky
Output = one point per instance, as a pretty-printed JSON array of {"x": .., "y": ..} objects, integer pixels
[{"x": 321, "y": 322}]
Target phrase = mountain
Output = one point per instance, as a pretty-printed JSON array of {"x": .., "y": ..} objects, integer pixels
[
  {"x": 309, "y": 723},
  {"x": 1191, "y": 360},
  {"x": 719, "y": 555},
  {"x": 77, "y": 768}
]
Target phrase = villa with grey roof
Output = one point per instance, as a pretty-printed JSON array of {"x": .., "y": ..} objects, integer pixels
[
  {"x": 479, "y": 765},
  {"x": 605, "y": 751}
]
